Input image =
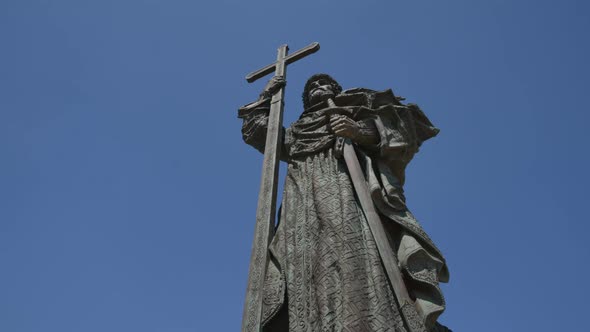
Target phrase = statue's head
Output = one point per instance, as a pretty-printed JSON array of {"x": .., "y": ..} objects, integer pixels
[{"x": 319, "y": 88}]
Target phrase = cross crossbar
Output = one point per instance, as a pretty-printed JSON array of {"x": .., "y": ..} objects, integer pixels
[{"x": 312, "y": 48}]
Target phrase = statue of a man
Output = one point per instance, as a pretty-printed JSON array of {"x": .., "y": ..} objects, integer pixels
[{"x": 325, "y": 272}]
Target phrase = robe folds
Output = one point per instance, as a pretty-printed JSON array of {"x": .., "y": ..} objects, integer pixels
[{"x": 325, "y": 272}]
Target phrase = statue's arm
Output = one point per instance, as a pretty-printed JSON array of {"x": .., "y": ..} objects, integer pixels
[
  {"x": 402, "y": 129},
  {"x": 255, "y": 125},
  {"x": 368, "y": 135},
  {"x": 255, "y": 117}
]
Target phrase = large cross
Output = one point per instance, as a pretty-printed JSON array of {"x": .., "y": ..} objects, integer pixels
[{"x": 267, "y": 198}]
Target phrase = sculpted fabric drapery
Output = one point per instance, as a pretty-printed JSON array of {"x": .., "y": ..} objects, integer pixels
[{"x": 325, "y": 272}]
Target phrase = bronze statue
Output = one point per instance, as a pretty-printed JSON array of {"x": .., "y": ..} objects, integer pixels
[{"x": 346, "y": 254}]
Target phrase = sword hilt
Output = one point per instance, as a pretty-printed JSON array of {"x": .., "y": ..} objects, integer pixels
[{"x": 340, "y": 141}]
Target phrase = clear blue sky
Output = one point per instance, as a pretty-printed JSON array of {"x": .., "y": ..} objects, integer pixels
[{"x": 127, "y": 198}]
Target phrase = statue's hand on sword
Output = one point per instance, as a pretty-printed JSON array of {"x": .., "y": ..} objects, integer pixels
[
  {"x": 344, "y": 126},
  {"x": 361, "y": 132}
]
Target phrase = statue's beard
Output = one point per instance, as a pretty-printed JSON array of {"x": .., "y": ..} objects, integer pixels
[{"x": 319, "y": 95}]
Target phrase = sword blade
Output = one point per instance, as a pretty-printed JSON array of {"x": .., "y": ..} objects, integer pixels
[{"x": 390, "y": 263}]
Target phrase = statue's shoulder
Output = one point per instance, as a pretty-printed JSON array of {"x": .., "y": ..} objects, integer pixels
[
  {"x": 372, "y": 98},
  {"x": 358, "y": 90}
]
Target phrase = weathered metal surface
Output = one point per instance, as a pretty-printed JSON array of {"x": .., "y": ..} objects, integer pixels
[{"x": 347, "y": 254}]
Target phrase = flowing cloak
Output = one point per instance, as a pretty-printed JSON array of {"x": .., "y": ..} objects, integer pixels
[{"x": 325, "y": 272}]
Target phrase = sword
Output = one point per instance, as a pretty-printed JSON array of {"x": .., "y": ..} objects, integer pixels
[{"x": 408, "y": 310}]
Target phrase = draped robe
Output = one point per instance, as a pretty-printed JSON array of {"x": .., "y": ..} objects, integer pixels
[{"x": 325, "y": 272}]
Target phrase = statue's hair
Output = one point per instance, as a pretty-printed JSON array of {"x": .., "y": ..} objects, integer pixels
[{"x": 307, "y": 88}]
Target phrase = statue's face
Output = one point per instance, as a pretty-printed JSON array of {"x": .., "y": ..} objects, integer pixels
[{"x": 321, "y": 90}]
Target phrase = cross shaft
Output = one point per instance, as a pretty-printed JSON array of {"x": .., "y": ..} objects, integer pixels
[{"x": 267, "y": 197}]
